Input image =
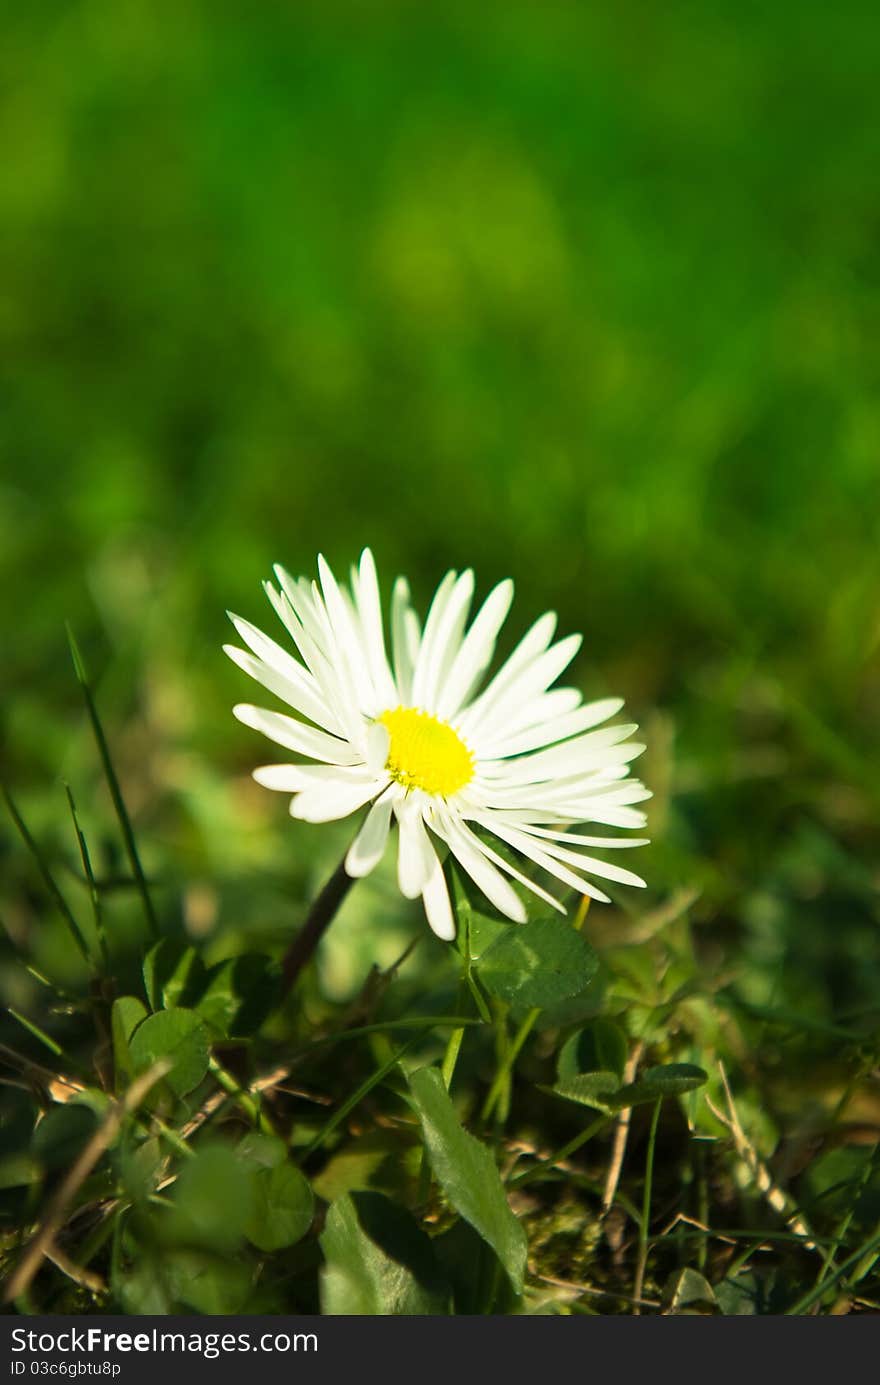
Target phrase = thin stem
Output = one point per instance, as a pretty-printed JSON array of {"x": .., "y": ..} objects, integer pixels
[
  {"x": 646, "y": 1207},
  {"x": 319, "y": 918},
  {"x": 505, "y": 1067},
  {"x": 246, "y": 1100},
  {"x": 561, "y": 1155}
]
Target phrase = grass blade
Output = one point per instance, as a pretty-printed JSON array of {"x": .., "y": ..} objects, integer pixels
[
  {"x": 37, "y": 1032},
  {"x": 97, "y": 914},
  {"x": 819, "y": 1290},
  {"x": 357, "y": 1096},
  {"x": 113, "y": 785},
  {"x": 48, "y": 878}
]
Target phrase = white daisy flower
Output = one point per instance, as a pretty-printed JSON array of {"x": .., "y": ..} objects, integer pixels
[{"x": 414, "y": 734}]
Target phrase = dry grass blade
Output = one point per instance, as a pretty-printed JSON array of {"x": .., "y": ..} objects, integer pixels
[
  {"x": 621, "y": 1132},
  {"x": 43, "y": 1243},
  {"x": 775, "y": 1196}
]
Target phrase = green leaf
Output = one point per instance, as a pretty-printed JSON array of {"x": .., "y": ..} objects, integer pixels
[
  {"x": 213, "y": 1201},
  {"x": 125, "y": 1016},
  {"x": 240, "y": 993},
  {"x": 578, "y": 1009},
  {"x": 687, "y": 1293},
  {"x": 594, "y": 1089},
  {"x": 537, "y": 964},
  {"x": 261, "y": 1151},
  {"x": 479, "y": 1284},
  {"x": 179, "y": 1036},
  {"x": 18, "y": 1171},
  {"x": 141, "y": 1167},
  {"x": 467, "y": 1173},
  {"x": 281, "y": 1207},
  {"x": 206, "y": 1282},
  {"x": 378, "y": 1262},
  {"x": 174, "y": 974},
  {"x": 672, "y": 1079},
  {"x": 750, "y": 1293},
  {"x": 379, "y": 1160},
  {"x": 600, "y": 1090},
  {"x": 599, "y": 1047}
]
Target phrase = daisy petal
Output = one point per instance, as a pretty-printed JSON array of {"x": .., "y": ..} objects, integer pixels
[
  {"x": 429, "y": 635},
  {"x": 486, "y": 877},
  {"x": 438, "y": 907},
  {"x": 445, "y": 643},
  {"x": 547, "y": 731},
  {"x": 534, "y": 679},
  {"x": 293, "y": 735},
  {"x": 369, "y": 845},
  {"x": 475, "y": 653},
  {"x": 521, "y": 841},
  {"x": 415, "y": 854},
  {"x": 369, "y": 608},
  {"x": 328, "y": 802},
  {"x": 530, "y": 646},
  {"x": 405, "y": 638},
  {"x": 603, "y": 869},
  {"x": 297, "y": 694},
  {"x": 282, "y": 778},
  {"x": 485, "y": 850},
  {"x": 378, "y": 745}
]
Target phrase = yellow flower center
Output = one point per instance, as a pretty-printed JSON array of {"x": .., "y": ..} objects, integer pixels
[{"x": 425, "y": 753}]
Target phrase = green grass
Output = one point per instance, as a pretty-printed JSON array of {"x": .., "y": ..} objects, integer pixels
[{"x": 583, "y": 297}]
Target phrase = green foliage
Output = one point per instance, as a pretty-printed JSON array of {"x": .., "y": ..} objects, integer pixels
[
  {"x": 213, "y": 1202},
  {"x": 125, "y": 1016},
  {"x": 689, "y": 1292},
  {"x": 378, "y": 1261},
  {"x": 239, "y": 994},
  {"x": 179, "y": 1036},
  {"x": 233, "y": 997},
  {"x": 603, "y": 1090},
  {"x": 467, "y": 1173},
  {"x": 281, "y": 1208},
  {"x": 599, "y": 1047},
  {"x": 174, "y": 974},
  {"x": 538, "y": 963}
]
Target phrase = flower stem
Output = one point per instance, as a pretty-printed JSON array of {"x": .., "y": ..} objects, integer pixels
[
  {"x": 320, "y": 916},
  {"x": 646, "y": 1209}
]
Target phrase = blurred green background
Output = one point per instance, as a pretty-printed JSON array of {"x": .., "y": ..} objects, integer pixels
[{"x": 588, "y": 295}]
